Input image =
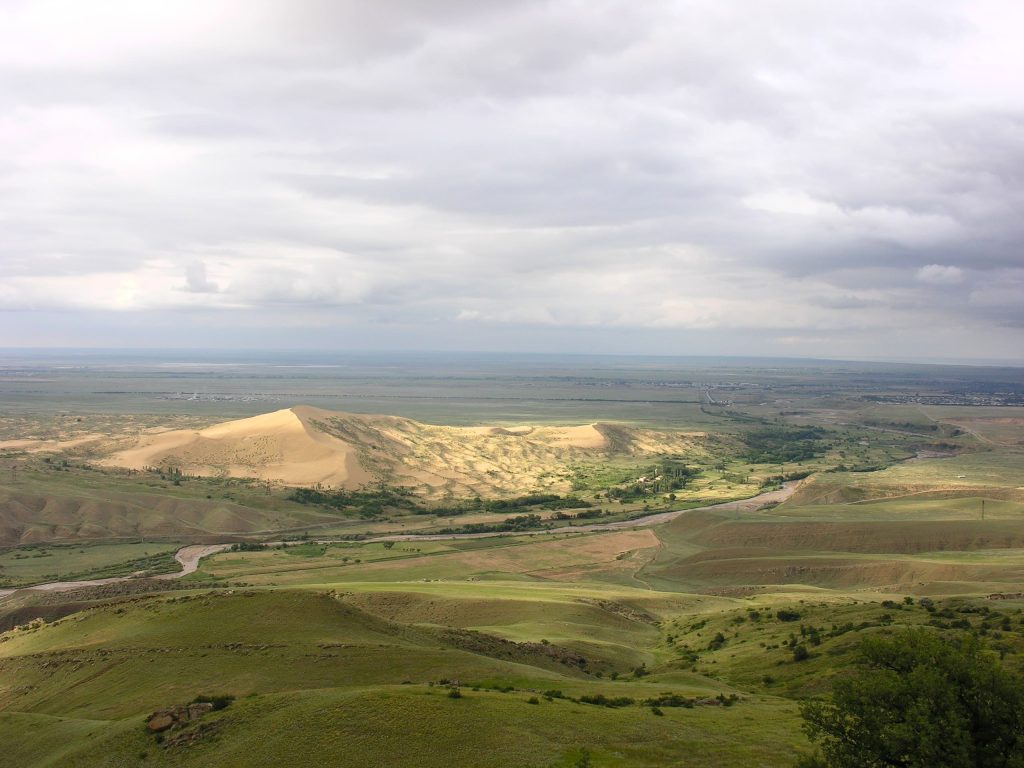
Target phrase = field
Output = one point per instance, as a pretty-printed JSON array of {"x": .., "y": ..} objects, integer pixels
[
  {"x": 536, "y": 642},
  {"x": 53, "y": 562}
]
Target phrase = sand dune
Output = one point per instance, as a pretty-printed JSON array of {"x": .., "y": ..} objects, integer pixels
[
  {"x": 275, "y": 446},
  {"x": 305, "y": 446},
  {"x": 585, "y": 436}
]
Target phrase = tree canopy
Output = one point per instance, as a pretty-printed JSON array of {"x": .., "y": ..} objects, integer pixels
[{"x": 921, "y": 701}]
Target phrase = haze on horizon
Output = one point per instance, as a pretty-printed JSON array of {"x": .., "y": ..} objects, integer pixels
[{"x": 781, "y": 178}]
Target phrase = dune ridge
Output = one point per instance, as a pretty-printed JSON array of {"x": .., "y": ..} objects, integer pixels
[
  {"x": 306, "y": 446},
  {"x": 275, "y": 446}
]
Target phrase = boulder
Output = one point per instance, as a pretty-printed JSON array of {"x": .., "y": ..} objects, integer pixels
[{"x": 160, "y": 721}]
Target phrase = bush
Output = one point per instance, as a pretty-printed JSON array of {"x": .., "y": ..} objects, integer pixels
[
  {"x": 670, "y": 700},
  {"x": 219, "y": 702},
  {"x": 922, "y": 701},
  {"x": 606, "y": 701}
]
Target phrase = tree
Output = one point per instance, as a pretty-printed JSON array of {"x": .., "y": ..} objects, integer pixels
[{"x": 921, "y": 701}]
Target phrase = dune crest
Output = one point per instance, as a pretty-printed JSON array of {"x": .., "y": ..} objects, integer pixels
[
  {"x": 304, "y": 445},
  {"x": 280, "y": 446}
]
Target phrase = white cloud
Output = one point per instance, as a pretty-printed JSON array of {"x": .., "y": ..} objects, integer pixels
[{"x": 469, "y": 165}]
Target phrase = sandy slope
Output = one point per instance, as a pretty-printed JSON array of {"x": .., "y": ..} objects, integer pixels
[
  {"x": 275, "y": 446},
  {"x": 305, "y": 446},
  {"x": 32, "y": 445},
  {"x": 585, "y": 436}
]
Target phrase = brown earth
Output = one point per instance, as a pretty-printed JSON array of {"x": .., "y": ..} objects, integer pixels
[
  {"x": 897, "y": 536},
  {"x": 832, "y": 572},
  {"x": 27, "y": 518}
]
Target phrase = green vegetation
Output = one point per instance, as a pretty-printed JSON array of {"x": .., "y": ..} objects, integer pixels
[
  {"x": 778, "y": 445},
  {"x": 69, "y": 562},
  {"x": 922, "y": 701},
  {"x": 366, "y": 503},
  {"x": 517, "y": 523}
]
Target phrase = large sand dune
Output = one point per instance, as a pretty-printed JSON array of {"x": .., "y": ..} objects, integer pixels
[
  {"x": 275, "y": 446},
  {"x": 307, "y": 446}
]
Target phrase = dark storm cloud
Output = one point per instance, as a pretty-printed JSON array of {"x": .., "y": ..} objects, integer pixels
[{"x": 814, "y": 173}]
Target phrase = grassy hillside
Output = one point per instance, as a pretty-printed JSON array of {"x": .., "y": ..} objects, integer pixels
[{"x": 315, "y": 670}]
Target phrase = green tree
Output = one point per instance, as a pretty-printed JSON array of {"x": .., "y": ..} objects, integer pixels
[{"x": 921, "y": 701}]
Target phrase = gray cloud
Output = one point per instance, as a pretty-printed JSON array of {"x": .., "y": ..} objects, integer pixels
[
  {"x": 767, "y": 177},
  {"x": 196, "y": 280}
]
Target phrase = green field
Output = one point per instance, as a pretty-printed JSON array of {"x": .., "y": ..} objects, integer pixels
[{"x": 67, "y": 562}]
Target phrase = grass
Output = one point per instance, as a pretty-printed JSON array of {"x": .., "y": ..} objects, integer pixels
[
  {"x": 51, "y": 562},
  {"x": 423, "y": 727},
  {"x": 337, "y": 672},
  {"x": 353, "y": 676},
  {"x": 41, "y": 502},
  {"x": 536, "y": 557}
]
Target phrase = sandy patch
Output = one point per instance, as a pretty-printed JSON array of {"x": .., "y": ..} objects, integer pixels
[{"x": 39, "y": 446}]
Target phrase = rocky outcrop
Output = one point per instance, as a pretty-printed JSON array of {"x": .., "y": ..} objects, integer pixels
[{"x": 177, "y": 717}]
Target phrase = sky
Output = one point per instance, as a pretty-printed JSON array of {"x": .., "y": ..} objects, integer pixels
[{"x": 758, "y": 177}]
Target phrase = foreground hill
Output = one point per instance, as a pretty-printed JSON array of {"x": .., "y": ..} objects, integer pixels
[{"x": 309, "y": 446}]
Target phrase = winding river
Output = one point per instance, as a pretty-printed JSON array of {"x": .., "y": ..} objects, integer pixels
[{"x": 190, "y": 555}]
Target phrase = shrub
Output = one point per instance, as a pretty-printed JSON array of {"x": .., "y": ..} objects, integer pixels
[
  {"x": 717, "y": 642},
  {"x": 922, "y": 701},
  {"x": 607, "y": 701},
  {"x": 219, "y": 702}
]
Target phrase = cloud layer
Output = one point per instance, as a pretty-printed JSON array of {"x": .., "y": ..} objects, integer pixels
[{"x": 773, "y": 177}]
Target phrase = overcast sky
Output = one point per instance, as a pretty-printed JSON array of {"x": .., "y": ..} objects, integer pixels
[{"x": 841, "y": 178}]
